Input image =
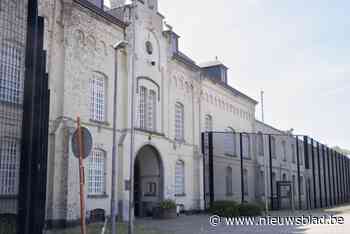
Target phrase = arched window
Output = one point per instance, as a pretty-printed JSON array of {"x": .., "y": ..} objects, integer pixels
[
  {"x": 96, "y": 172},
  {"x": 147, "y": 109},
  {"x": 208, "y": 123},
  {"x": 98, "y": 97},
  {"x": 284, "y": 177},
  {"x": 261, "y": 144},
  {"x": 180, "y": 178},
  {"x": 9, "y": 166},
  {"x": 273, "y": 147},
  {"x": 179, "y": 121},
  {"x": 245, "y": 181},
  {"x": 284, "y": 150},
  {"x": 230, "y": 142},
  {"x": 246, "y": 146},
  {"x": 229, "y": 181}
]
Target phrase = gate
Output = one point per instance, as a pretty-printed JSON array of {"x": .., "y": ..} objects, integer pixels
[{"x": 24, "y": 105}]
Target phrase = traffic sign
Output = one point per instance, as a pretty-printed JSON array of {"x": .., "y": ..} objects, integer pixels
[{"x": 87, "y": 142}]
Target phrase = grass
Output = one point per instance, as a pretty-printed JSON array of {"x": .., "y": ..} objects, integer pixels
[{"x": 97, "y": 228}]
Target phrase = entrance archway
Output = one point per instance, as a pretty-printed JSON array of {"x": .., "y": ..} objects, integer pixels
[{"x": 148, "y": 180}]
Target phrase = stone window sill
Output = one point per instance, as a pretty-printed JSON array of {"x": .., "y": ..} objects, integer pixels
[
  {"x": 99, "y": 122},
  {"x": 97, "y": 196},
  {"x": 180, "y": 195}
]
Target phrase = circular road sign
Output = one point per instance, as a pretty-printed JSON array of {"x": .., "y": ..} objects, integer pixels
[{"x": 87, "y": 142}]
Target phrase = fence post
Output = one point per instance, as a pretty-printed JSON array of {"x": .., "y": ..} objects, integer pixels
[
  {"x": 211, "y": 169},
  {"x": 319, "y": 174},
  {"x": 271, "y": 182},
  {"x": 324, "y": 176},
  {"x": 241, "y": 154}
]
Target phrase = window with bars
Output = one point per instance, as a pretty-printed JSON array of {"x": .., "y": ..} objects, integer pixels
[
  {"x": 148, "y": 109},
  {"x": 208, "y": 123},
  {"x": 273, "y": 147},
  {"x": 230, "y": 142},
  {"x": 96, "y": 172},
  {"x": 293, "y": 153},
  {"x": 9, "y": 166},
  {"x": 246, "y": 146},
  {"x": 98, "y": 98},
  {"x": 11, "y": 56},
  {"x": 180, "y": 178},
  {"x": 229, "y": 189},
  {"x": 142, "y": 107},
  {"x": 245, "y": 181},
  {"x": 284, "y": 151},
  {"x": 261, "y": 144},
  {"x": 179, "y": 121}
]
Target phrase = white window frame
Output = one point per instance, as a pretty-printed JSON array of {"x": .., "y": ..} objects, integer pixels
[
  {"x": 143, "y": 107},
  {"x": 261, "y": 144},
  {"x": 246, "y": 146},
  {"x": 179, "y": 121},
  {"x": 284, "y": 150},
  {"x": 151, "y": 110},
  {"x": 180, "y": 178},
  {"x": 98, "y": 98},
  {"x": 9, "y": 166},
  {"x": 230, "y": 142},
  {"x": 97, "y": 172}
]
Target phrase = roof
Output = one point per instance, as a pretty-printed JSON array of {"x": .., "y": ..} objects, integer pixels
[
  {"x": 270, "y": 126},
  {"x": 211, "y": 64},
  {"x": 186, "y": 60},
  {"x": 102, "y": 13}
]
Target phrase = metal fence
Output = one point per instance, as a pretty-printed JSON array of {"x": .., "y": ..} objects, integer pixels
[
  {"x": 279, "y": 171},
  {"x": 24, "y": 103}
]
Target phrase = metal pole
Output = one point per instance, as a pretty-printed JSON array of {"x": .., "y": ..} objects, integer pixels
[
  {"x": 262, "y": 106},
  {"x": 114, "y": 148},
  {"x": 82, "y": 179},
  {"x": 242, "y": 179},
  {"x": 335, "y": 202},
  {"x": 271, "y": 184},
  {"x": 313, "y": 171},
  {"x": 266, "y": 180},
  {"x": 324, "y": 176},
  {"x": 319, "y": 174},
  {"x": 132, "y": 131}
]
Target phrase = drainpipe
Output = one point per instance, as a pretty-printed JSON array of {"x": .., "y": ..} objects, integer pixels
[{"x": 117, "y": 47}]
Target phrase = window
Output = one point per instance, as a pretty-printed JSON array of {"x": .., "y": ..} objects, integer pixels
[
  {"x": 230, "y": 142},
  {"x": 96, "y": 172},
  {"x": 9, "y": 166},
  {"x": 261, "y": 144},
  {"x": 293, "y": 153},
  {"x": 301, "y": 158},
  {"x": 294, "y": 185},
  {"x": 301, "y": 185},
  {"x": 179, "y": 121},
  {"x": 147, "y": 109},
  {"x": 97, "y": 98},
  {"x": 142, "y": 107},
  {"x": 180, "y": 178},
  {"x": 273, "y": 147},
  {"x": 246, "y": 146},
  {"x": 10, "y": 72},
  {"x": 284, "y": 177},
  {"x": 208, "y": 123},
  {"x": 274, "y": 182},
  {"x": 284, "y": 151},
  {"x": 262, "y": 183},
  {"x": 245, "y": 181},
  {"x": 229, "y": 191}
]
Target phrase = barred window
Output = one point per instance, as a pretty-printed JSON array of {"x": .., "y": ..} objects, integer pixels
[
  {"x": 246, "y": 146},
  {"x": 9, "y": 166},
  {"x": 11, "y": 57},
  {"x": 208, "y": 123},
  {"x": 151, "y": 106},
  {"x": 229, "y": 190},
  {"x": 148, "y": 109},
  {"x": 96, "y": 175},
  {"x": 230, "y": 142},
  {"x": 273, "y": 147},
  {"x": 284, "y": 150},
  {"x": 97, "y": 98},
  {"x": 261, "y": 144},
  {"x": 179, "y": 121},
  {"x": 142, "y": 108},
  {"x": 180, "y": 178},
  {"x": 245, "y": 181},
  {"x": 293, "y": 153}
]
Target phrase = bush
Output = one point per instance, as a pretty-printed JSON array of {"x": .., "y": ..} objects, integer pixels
[
  {"x": 249, "y": 209},
  {"x": 167, "y": 204},
  {"x": 224, "y": 208}
]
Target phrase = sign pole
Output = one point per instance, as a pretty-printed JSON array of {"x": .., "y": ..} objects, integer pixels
[{"x": 82, "y": 179}]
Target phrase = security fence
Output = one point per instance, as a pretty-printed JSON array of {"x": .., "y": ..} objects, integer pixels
[
  {"x": 277, "y": 170},
  {"x": 24, "y": 103}
]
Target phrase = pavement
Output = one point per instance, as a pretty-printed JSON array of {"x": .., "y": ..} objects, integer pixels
[{"x": 200, "y": 224}]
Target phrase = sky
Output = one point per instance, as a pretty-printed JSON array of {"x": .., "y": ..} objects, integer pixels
[{"x": 297, "y": 51}]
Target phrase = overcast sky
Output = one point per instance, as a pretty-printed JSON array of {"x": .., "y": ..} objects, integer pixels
[{"x": 297, "y": 51}]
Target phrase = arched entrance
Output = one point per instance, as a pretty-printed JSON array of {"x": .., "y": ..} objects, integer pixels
[{"x": 148, "y": 180}]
